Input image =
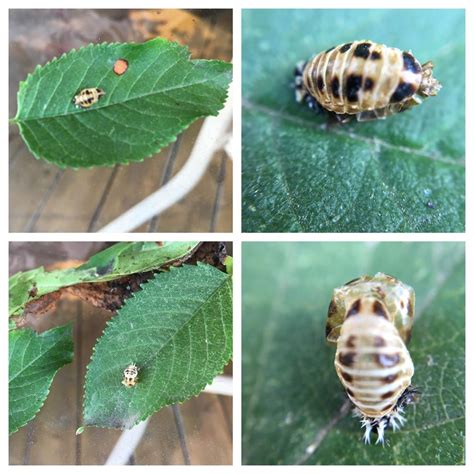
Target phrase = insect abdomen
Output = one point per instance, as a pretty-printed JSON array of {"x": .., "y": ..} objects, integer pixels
[
  {"x": 362, "y": 76},
  {"x": 372, "y": 362}
]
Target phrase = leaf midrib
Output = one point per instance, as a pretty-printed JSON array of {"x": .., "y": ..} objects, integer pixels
[
  {"x": 128, "y": 99},
  {"x": 251, "y": 105},
  {"x": 186, "y": 322},
  {"x": 34, "y": 360}
]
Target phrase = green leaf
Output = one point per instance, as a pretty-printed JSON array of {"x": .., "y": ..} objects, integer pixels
[
  {"x": 160, "y": 95},
  {"x": 229, "y": 264},
  {"x": 121, "y": 259},
  {"x": 177, "y": 330},
  {"x": 291, "y": 395},
  {"x": 34, "y": 360},
  {"x": 402, "y": 174}
]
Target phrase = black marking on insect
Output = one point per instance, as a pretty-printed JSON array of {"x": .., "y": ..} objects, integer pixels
[
  {"x": 364, "y": 80},
  {"x": 371, "y": 327},
  {"x": 130, "y": 376},
  {"x": 87, "y": 97}
]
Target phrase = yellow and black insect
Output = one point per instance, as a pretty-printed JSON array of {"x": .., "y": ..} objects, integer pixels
[
  {"x": 365, "y": 80},
  {"x": 130, "y": 376},
  {"x": 87, "y": 97},
  {"x": 370, "y": 320}
]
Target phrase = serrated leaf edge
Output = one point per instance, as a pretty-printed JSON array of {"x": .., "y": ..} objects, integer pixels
[
  {"x": 52, "y": 378},
  {"x": 227, "y": 356}
]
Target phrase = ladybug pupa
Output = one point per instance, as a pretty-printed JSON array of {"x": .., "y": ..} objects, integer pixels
[
  {"x": 130, "y": 376},
  {"x": 365, "y": 80},
  {"x": 87, "y": 97},
  {"x": 370, "y": 320}
]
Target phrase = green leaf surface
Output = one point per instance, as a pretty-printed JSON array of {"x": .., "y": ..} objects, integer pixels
[
  {"x": 291, "y": 396},
  {"x": 121, "y": 259},
  {"x": 402, "y": 174},
  {"x": 34, "y": 360},
  {"x": 177, "y": 330},
  {"x": 160, "y": 95}
]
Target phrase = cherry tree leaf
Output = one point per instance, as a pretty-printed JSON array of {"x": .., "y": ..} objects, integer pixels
[
  {"x": 34, "y": 360},
  {"x": 144, "y": 108},
  {"x": 177, "y": 330}
]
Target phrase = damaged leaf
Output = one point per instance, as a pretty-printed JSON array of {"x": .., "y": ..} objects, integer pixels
[
  {"x": 177, "y": 330},
  {"x": 39, "y": 288},
  {"x": 34, "y": 359},
  {"x": 137, "y": 113}
]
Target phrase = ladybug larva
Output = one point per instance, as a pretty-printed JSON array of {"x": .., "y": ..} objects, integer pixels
[
  {"x": 87, "y": 97},
  {"x": 370, "y": 320},
  {"x": 130, "y": 376},
  {"x": 364, "y": 79}
]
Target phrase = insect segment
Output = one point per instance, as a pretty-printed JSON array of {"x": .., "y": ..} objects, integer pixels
[
  {"x": 88, "y": 97},
  {"x": 364, "y": 79},
  {"x": 370, "y": 320},
  {"x": 130, "y": 376}
]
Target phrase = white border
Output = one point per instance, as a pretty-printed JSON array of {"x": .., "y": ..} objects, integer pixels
[{"x": 237, "y": 237}]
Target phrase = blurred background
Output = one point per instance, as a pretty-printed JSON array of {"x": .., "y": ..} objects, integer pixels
[
  {"x": 198, "y": 431},
  {"x": 45, "y": 198}
]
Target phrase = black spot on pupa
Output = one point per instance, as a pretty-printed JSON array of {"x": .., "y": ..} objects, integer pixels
[
  {"x": 353, "y": 85},
  {"x": 388, "y": 394},
  {"x": 345, "y": 47},
  {"x": 410, "y": 63},
  {"x": 410, "y": 308},
  {"x": 387, "y": 407},
  {"x": 320, "y": 83},
  {"x": 379, "y": 341},
  {"x": 375, "y": 55},
  {"x": 335, "y": 87},
  {"x": 354, "y": 309},
  {"x": 368, "y": 84},
  {"x": 346, "y": 377},
  {"x": 351, "y": 341},
  {"x": 362, "y": 50},
  {"x": 350, "y": 392},
  {"x": 387, "y": 360},
  {"x": 379, "y": 309},
  {"x": 390, "y": 378},
  {"x": 347, "y": 359},
  {"x": 330, "y": 49},
  {"x": 402, "y": 92}
]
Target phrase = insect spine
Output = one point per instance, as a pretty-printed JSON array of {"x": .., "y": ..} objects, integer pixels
[{"x": 370, "y": 320}]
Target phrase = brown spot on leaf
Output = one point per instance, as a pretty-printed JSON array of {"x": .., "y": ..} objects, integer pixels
[{"x": 120, "y": 66}]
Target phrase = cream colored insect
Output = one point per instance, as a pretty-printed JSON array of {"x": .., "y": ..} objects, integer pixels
[
  {"x": 130, "y": 376},
  {"x": 88, "y": 97},
  {"x": 365, "y": 80},
  {"x": 370, "y": 319}
]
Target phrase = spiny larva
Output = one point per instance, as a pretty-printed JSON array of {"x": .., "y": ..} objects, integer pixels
[
  {"x": 370, "y": 320},
  {"x": 88, "y": 97},
  {"x": 364, "y": 79},
  {"x": 130, "y": 376}
]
